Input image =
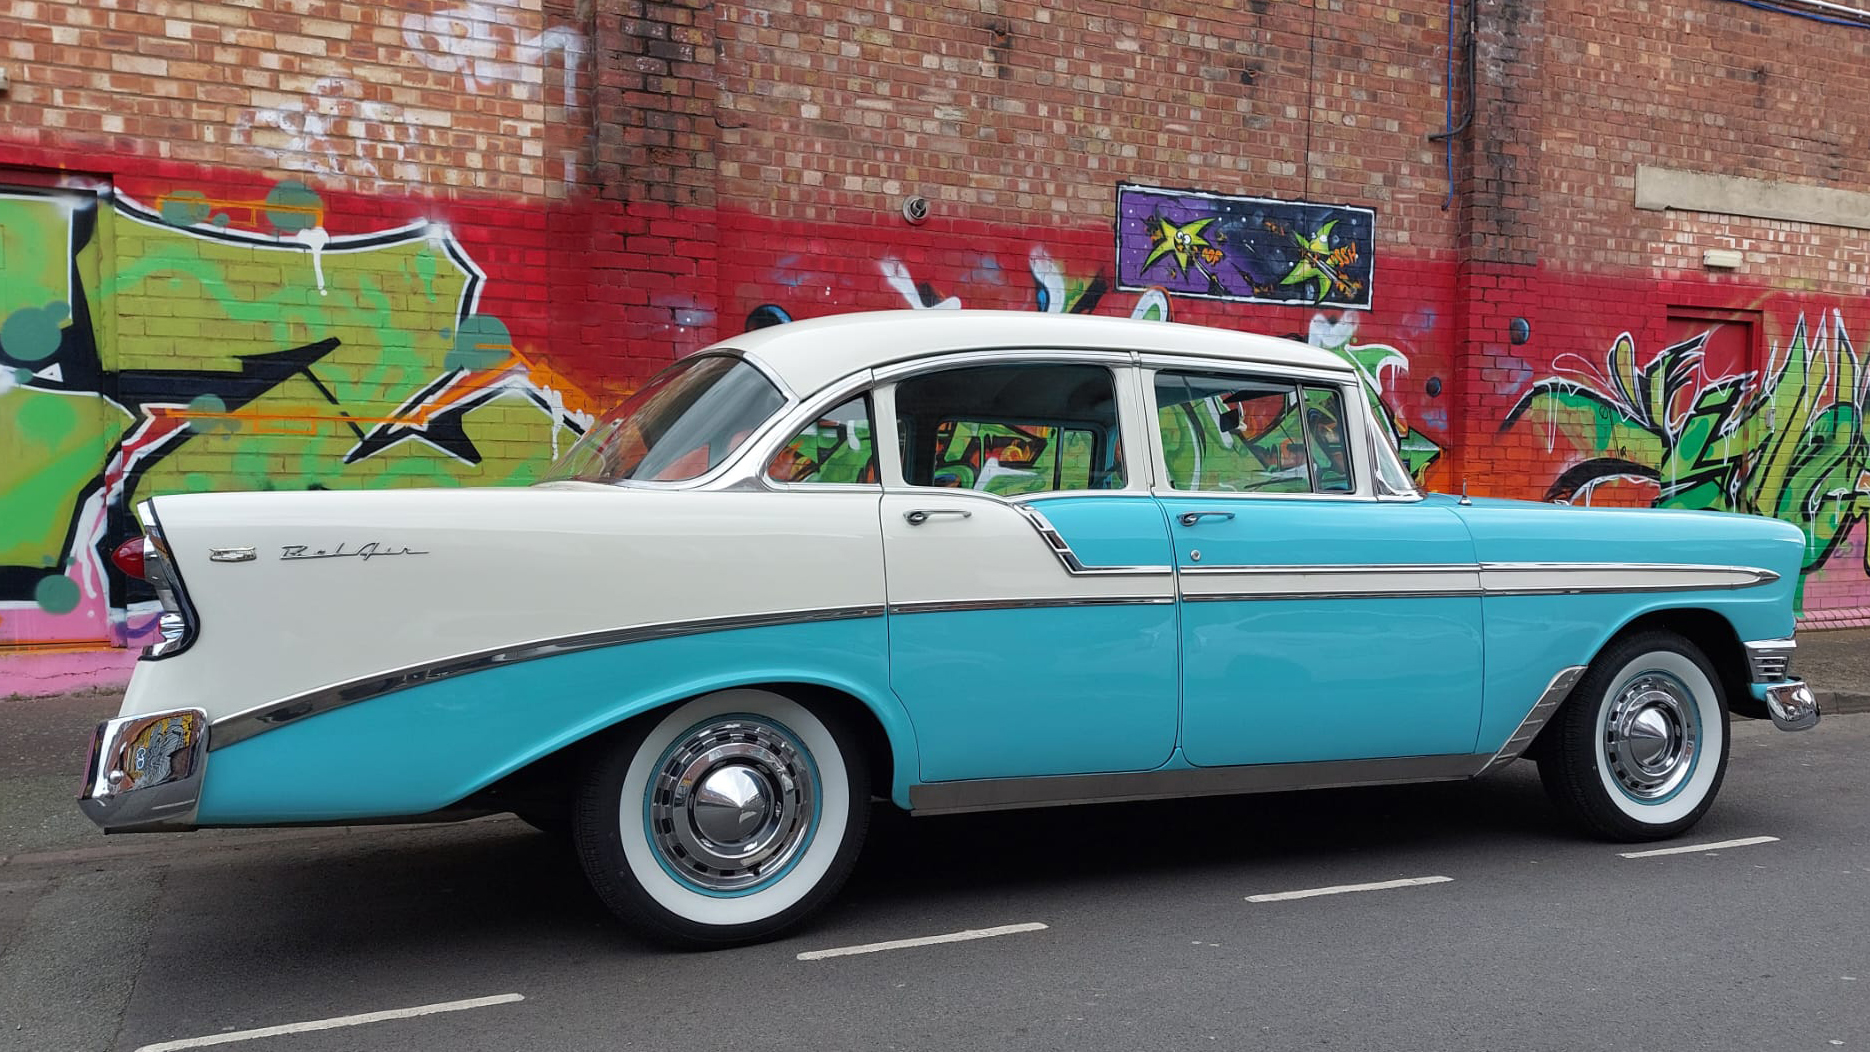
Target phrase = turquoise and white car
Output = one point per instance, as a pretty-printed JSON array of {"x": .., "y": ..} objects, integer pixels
[{"x": 958, "y": 560}]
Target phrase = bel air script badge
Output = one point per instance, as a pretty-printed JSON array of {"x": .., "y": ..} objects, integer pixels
[{"x": 366, "y": 552}]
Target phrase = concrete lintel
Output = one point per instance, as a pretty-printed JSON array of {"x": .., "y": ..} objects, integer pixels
[{"x": 1658, "y": 189}]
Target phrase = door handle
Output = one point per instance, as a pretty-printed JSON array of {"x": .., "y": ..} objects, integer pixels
[
  {"x": 1189, "y": 518},
  {"x": 922, "y": 515}
]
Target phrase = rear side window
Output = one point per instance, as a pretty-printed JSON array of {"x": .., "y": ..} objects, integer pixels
[
  {"x": 835, "y": 449},
  {"x": 1010, "y": 430},
  {"x": 1237, "y": 435}
]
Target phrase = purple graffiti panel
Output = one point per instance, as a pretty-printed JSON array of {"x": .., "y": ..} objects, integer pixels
[{"x": 1255, "y": 249}]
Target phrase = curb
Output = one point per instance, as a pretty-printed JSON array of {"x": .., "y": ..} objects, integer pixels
[{"x": 1840, "y": 702}]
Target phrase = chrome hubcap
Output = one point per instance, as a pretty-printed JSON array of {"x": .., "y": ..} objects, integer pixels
[
  {"x": 1651, "y": 734},
  {"x": 731, "y": 803}
]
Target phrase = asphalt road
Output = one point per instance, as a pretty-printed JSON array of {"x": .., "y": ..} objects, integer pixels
[{"x": 1540, "y": 939}]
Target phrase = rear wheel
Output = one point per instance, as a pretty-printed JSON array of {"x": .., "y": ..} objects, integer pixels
[
  {"x": 1639, "y": 750},
  {"x": 724, "y": 822}
]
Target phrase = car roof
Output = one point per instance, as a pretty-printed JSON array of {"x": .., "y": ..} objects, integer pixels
[{"x": 809, "y": 354}]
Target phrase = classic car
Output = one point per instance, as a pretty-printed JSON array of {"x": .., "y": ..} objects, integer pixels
[{"x": 957, "y": 560}]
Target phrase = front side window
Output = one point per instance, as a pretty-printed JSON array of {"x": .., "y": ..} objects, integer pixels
[
  {"x": 835, "y": 449},
  {"x": 679, "y": 426},
  {"x": 1011, "y": 430},
  {"x": 1229, "y": 434}
]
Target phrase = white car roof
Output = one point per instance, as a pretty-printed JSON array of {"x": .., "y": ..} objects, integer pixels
[{"x": 807, "y": 355}]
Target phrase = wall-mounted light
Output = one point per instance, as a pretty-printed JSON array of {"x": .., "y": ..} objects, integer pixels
[{"x": 1721, "y": 259}]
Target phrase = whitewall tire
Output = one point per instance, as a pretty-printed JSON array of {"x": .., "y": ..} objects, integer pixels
[
  {"x": 1639, "y": 750},
  {"x": 725, "y": 820}
]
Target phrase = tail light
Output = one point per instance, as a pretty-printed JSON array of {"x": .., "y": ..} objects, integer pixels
[
  {"x": 177, "y": 622},
  {"x": 128, "y": 557}
]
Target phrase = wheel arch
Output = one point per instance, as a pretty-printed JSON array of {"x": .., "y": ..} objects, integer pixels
[
  {"x": 882, "y": 730},
  {"x": 1711, "y": 633},
  {"x": 1715, "y": 636}
]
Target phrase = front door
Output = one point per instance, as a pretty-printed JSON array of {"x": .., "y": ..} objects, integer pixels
[
  {"x": 1031, "y": 603},
  {"x": 1318, "y": 623}
]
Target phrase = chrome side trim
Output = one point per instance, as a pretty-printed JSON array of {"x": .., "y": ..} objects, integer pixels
[
  {"x": 948, "y": 606},
  {"x": 1340, "y": 581},
  {"x": 1555, "y": 694},
  {"x": 1268, "y": 569},
  {"x": 240, "y": 726},
  {"x": 1333, "y": 593},
  {"x": 144, "y": 772},
  {"x": 1770, "y": 660},
  {"x": 1002, "y": 794},
  {"x": 1069, "y": 559},
  {"x": 1564, "y": 578}
]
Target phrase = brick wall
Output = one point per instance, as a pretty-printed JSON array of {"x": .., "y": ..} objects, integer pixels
[{"x": 298, "y": 243}]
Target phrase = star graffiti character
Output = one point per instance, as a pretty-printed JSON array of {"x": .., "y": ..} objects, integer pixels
[{"x": 1185, "y": 246}]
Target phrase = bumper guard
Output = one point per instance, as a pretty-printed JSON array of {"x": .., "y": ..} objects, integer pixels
[
  {"x": 1791, "y": 704},
  {"x": 145, "y": 771}
]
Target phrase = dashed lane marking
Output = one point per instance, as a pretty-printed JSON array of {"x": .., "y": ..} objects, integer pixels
[
  {"x": 330, "y": 1024},
  {"x": 1341, "y": 889},
  {"x": 1689, "y": 849},
  {"x": 926, "y": 940}
]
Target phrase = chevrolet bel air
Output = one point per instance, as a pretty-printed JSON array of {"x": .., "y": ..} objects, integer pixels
[{"x": 956, "y": 560}]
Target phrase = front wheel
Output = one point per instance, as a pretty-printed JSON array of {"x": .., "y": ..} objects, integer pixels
[
  {"x": 724, "y": 822},
  {"x": 1639, "y": 749}
]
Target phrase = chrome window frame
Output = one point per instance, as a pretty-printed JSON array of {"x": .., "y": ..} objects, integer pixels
[
  {"x": 1357, "y": 424},
  {"x": 818, "y": 409},
  {"x": 1379, "y": 434},
  {"x": 1118, "y": 363},
  {"x": 732, "y": 469}
]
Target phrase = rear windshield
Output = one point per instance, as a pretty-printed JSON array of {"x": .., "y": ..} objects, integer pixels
[{"x": 679, "y": 426}]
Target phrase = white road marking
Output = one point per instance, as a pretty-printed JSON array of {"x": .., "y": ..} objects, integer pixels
[
  {"x": 330, "y": 1024},
  {"x": 1689, "y": 849},
  {"x": 926, "y": 940},
  {"x": 1340, "y": 889}
]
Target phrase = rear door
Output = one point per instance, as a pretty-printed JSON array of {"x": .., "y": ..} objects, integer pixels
[{"x": 1318, "y": 622}]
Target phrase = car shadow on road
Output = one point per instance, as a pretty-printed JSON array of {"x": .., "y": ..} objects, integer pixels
[
  {"x": 498, "y": 889},
  {"x": 1119, "y": 842}
]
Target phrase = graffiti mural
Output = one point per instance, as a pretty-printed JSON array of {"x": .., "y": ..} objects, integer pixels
[
  {"x": 1377, "y": 365},
  {"x": 1790, "y": 444},
  {"x": 206, "y": 342},
  {"x": 1251, "y": 249}
]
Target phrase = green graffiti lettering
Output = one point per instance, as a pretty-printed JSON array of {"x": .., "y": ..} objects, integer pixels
[{"x": 1791, "y": 446}]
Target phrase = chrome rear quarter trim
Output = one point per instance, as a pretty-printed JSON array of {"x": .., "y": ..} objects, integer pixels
[{"x": 240, "y": 726}]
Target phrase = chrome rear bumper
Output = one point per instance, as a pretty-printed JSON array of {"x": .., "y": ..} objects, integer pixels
[{"x": 144, "y": 773}]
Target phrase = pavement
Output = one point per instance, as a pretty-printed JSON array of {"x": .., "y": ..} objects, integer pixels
[
  {"x": 1837, "y": 665},
  {"x": 1129, "y": 925},
  {"x": 1488, "y": 924}
]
